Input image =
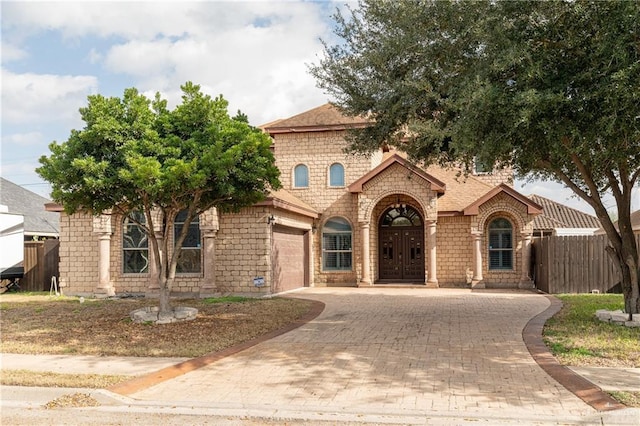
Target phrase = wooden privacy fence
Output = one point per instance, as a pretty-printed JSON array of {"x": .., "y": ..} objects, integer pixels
[
  {"x": 40, "y": 264},
  {"x": 574, "y": 264}
]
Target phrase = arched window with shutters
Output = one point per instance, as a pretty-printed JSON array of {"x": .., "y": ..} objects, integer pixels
[
  {"x": 301, "y": 176},
  {"x": 500, "y": 244}
]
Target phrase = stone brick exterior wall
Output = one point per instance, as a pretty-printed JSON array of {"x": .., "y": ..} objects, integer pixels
[
  {"x": 496, "y": 177},
  {"x": 240, "y": 244},
  {"x": 243, "y": 251},
  {"x": 318, "y": 151},
  {"x": 78, "y": 254},
  {"x": 454, "y": 250}
]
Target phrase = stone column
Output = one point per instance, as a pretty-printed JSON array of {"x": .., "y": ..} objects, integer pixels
[
  {"x": 209, "y": 226},
  {"x": 366, "y": 254},
  {"x": 208, "y": 287},
  {"x": 310, "y": 241},
  {"x": 477, "y": 280},
  {"x": 102, "y": 227},
  {"x": 526, "y": 281},
  {"x": 432, "y": 279}
]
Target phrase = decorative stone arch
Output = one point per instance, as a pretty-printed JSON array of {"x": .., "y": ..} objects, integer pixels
[
  {"x": 515, "y": 216},
  {"x": 365, "y": 212},
  {"x": 522, "y": 233}
]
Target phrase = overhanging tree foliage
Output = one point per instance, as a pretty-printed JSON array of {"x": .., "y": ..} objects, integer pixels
[
  {"x": 551, "y": 89},
  {"x": 136, "y": 155}
]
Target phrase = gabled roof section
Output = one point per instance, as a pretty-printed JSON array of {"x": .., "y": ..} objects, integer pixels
[
  {"x": 37, "y": 221},
  {"x": 461, "y": 190},
  {"x": 323, "y": 118},
  {"x": 283, "y": 200},
  {"x": 436, "y": 184},
  {"x": 556, "y": 215},
  {"x": 532, "y": 207}
]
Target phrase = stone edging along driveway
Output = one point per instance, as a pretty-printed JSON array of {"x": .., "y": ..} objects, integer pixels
[{"x": 576, "y": 384}]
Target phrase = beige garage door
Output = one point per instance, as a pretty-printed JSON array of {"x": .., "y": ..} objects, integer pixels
[{"x": 289, "y": 259}]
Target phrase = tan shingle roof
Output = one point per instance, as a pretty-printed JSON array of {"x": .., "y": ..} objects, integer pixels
[
  {"x": 556, "y": 215},
  {"x": 322, "y": 118},
  {"x": 286, "y": 201},
  {"x": 460, "y": 191}
]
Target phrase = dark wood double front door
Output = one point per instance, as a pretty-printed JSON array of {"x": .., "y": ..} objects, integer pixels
[{"x": 401, "y": 253}]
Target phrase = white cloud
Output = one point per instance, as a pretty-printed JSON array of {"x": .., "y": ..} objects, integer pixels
[
  {"x": 40, "y": 98},
  {"x": 24, "y": 139},
  {"x": 253, "y": 54},
  {"x": 10, "y": 52}
]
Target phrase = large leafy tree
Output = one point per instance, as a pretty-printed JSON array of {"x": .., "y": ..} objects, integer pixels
[
  {"x": 551, "y": 89},
  {"x": 136, "y": 155}
]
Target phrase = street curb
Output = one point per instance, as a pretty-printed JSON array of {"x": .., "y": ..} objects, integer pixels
[
  {"x": 574, "y": 383},
  {"x": 139, "y": 383}
]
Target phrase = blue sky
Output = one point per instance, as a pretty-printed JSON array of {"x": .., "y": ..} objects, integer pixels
[{"x": 54, "y": 54}]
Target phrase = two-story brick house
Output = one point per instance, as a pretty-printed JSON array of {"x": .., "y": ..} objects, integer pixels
[{"x": 340, "y": 220}]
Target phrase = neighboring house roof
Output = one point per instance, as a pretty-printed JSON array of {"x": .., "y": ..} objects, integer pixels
[
  {"x": 323, "y": 118},
  {"x": 284, "y": 200},
  {"x": 635, "y": 223},
  {"x": 436, "y": 184},
  {"x": 37, "y": 221},
  {"x": 558, "y": 216}
]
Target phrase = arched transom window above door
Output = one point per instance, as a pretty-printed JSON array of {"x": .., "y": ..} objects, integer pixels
[{"x": 402, "y": 215}]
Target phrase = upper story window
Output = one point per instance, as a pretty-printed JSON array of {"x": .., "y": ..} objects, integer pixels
[
  {"x": 480, "y": 167},
  {"x": 336, "y": 175},
  {"x": 336, "y": 245},
  {"x": 301, "y": 176},
  {"x": 500, "y": 244},
  {"x": 135, "y": 245},
  {"x": 190, "y": 256}
]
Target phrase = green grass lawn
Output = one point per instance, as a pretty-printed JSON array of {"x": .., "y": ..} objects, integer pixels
[{"x": 577, "y": 338}]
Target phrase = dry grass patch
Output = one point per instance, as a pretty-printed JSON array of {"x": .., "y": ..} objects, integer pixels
[
  {"x": 51, "y": 325},
  {"x": 58, "y": 380}
]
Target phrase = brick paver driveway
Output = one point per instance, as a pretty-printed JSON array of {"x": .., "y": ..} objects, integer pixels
[{"x": 418, "y": 352}]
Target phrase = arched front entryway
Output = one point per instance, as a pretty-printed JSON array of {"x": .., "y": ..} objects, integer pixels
[{"x": 401, "y": 245}]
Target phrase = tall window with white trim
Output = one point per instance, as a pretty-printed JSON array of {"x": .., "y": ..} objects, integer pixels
[
  {"x": 135, "y": 245},
  {"x": 500, "y": 244},
  {"x": 336, "y": 245}
]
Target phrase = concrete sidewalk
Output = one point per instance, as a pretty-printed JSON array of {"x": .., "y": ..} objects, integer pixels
[
  {"x": 402, "y": 356},
  {"x": 607, "y": 378},
  {"x": 86, "y": 364}
]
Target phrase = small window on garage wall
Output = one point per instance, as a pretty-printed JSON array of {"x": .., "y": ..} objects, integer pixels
[
  {"x": 336, "y": 175},
  {"x": 336, "y": 245},
  {"x": 301, "y": 176},
  {"x": 500, "y": 244},
  {"x": 190, "y": 256},
  {"x": 135, "y": 245}
]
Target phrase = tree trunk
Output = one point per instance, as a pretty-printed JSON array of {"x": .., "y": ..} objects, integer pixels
[{"x": 164, "y": 294}]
